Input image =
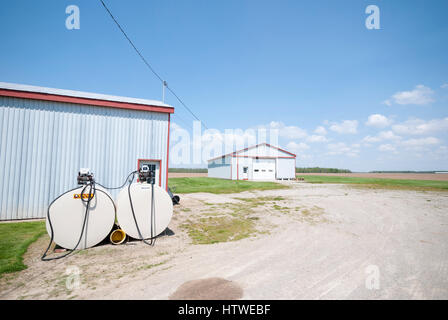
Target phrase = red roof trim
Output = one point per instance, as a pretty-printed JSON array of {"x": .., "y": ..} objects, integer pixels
[
  {"x": 233, "y": 154},
  {"x": 280, "y": 149},
  {"x": 86, "y": 101}
]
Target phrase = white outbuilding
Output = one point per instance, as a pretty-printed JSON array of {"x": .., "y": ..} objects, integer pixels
[{"x": 260, "y": 162}]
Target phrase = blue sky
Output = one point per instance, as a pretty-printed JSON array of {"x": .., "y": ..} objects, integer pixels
[{"x": 341, "y": 95}]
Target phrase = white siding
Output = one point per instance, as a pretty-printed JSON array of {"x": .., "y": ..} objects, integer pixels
[
  {"x": 237, "y": 167},
  {"x": 286, "y": 168},
  {"x": 43, "y": 145}
]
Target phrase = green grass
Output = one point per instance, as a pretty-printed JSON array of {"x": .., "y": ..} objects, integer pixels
[
  {"x": 150, "y": 266},
  {"x": 15, "y": 238},
  {"x": 219, "y": 229},
  {"x": 227, "y": 221},
  {"x": 407, "y": 184},
  {"x": 214, "y": 185}
]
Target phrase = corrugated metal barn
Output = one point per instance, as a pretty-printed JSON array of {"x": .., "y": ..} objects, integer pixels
[
  {"x": 260, "y": 162},
  {"x": 47, "y": 135}
]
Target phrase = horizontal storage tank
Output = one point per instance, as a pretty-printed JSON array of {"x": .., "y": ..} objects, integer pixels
[
  {"x": 134, "y": 204},
  {"x": 67, "y": 218}
]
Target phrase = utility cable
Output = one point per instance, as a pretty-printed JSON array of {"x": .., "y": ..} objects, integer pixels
[{"x": 164, "y": 83}]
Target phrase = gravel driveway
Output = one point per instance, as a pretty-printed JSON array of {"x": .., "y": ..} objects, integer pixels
[{"x": 324, "y": 241}]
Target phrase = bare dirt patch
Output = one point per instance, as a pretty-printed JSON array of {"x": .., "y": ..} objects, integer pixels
[{"x": 208, "y": 289}]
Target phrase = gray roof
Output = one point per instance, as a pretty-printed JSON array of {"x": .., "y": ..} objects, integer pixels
[{"x": 79, "y": 94}]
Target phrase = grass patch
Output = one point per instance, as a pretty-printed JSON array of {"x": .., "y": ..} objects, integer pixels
[
  {"x": 150, "y": 266},
  {"x": 233, "y": 221},
  {"x": 313, "y": 215},
  {"x": 260, "y": 200},
  {"x": 219, "y": 229},
  {"x": 15, "y": 238},
  {"x": 280, "y": 208},
  {"x": 406, "y": 184},
  {"x": 228, "y": 222},
  {"x": 214, "y": 185}
]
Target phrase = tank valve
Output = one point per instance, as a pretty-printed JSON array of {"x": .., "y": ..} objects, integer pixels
[
  {"x": 146, "y": 173},
  {"x": 84, "y": 176}
]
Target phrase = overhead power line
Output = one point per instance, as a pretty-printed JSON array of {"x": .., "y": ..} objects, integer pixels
[{"x": 164, "y": 83}]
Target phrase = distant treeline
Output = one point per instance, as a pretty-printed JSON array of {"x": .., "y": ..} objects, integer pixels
[
  {"x": 298, "y": 170},
  {"x": 188, "y": 170},
  {"x": 321, "y": 170}
]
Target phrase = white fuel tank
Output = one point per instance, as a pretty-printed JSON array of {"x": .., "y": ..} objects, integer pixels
[
  {"x": 141, "y": 201},
  {"x": 67, "y": 217}
]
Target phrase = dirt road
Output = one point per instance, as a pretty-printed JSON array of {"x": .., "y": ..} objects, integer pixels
[{"x": 333, "y": 242}]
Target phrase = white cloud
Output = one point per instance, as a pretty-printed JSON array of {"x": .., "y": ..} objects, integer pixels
[
  {"x": 387, "y": 148},
  {"x": 289, "y": 132},
  {"x": 421, "y": 127},
  {"x": 316, "y": 138},
  {"x": 387, "y": 102},
  {"x": 378, "y": 121},
  {"x": 295, "y": 132},
  {"x": 383, "y": 135},
  {"x": 342, "y": 148},
  {"x": 421, "y": 142},
  {"x": 297, "y": 146},
  {"x": 442, "y": 150},
  {"x": 370, "y": 139},
  {"x": 345, "y": 127},
  {"x": 421, "y": 95},
  {"x": 443, "y": 86},
  {"x": 388, "y": 135},
  {"x": 237, "y": 137},
  {"x": 320, "y": 130}
]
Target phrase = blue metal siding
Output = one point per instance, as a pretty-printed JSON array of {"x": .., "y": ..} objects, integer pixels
[{"x": 44, "y": 144}]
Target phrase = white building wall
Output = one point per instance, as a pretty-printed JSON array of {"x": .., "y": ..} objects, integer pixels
[
  {"x": 233, "y": 167},
  {"x": 286, "y": 168},
  {"x": 237, "y": 167}
]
